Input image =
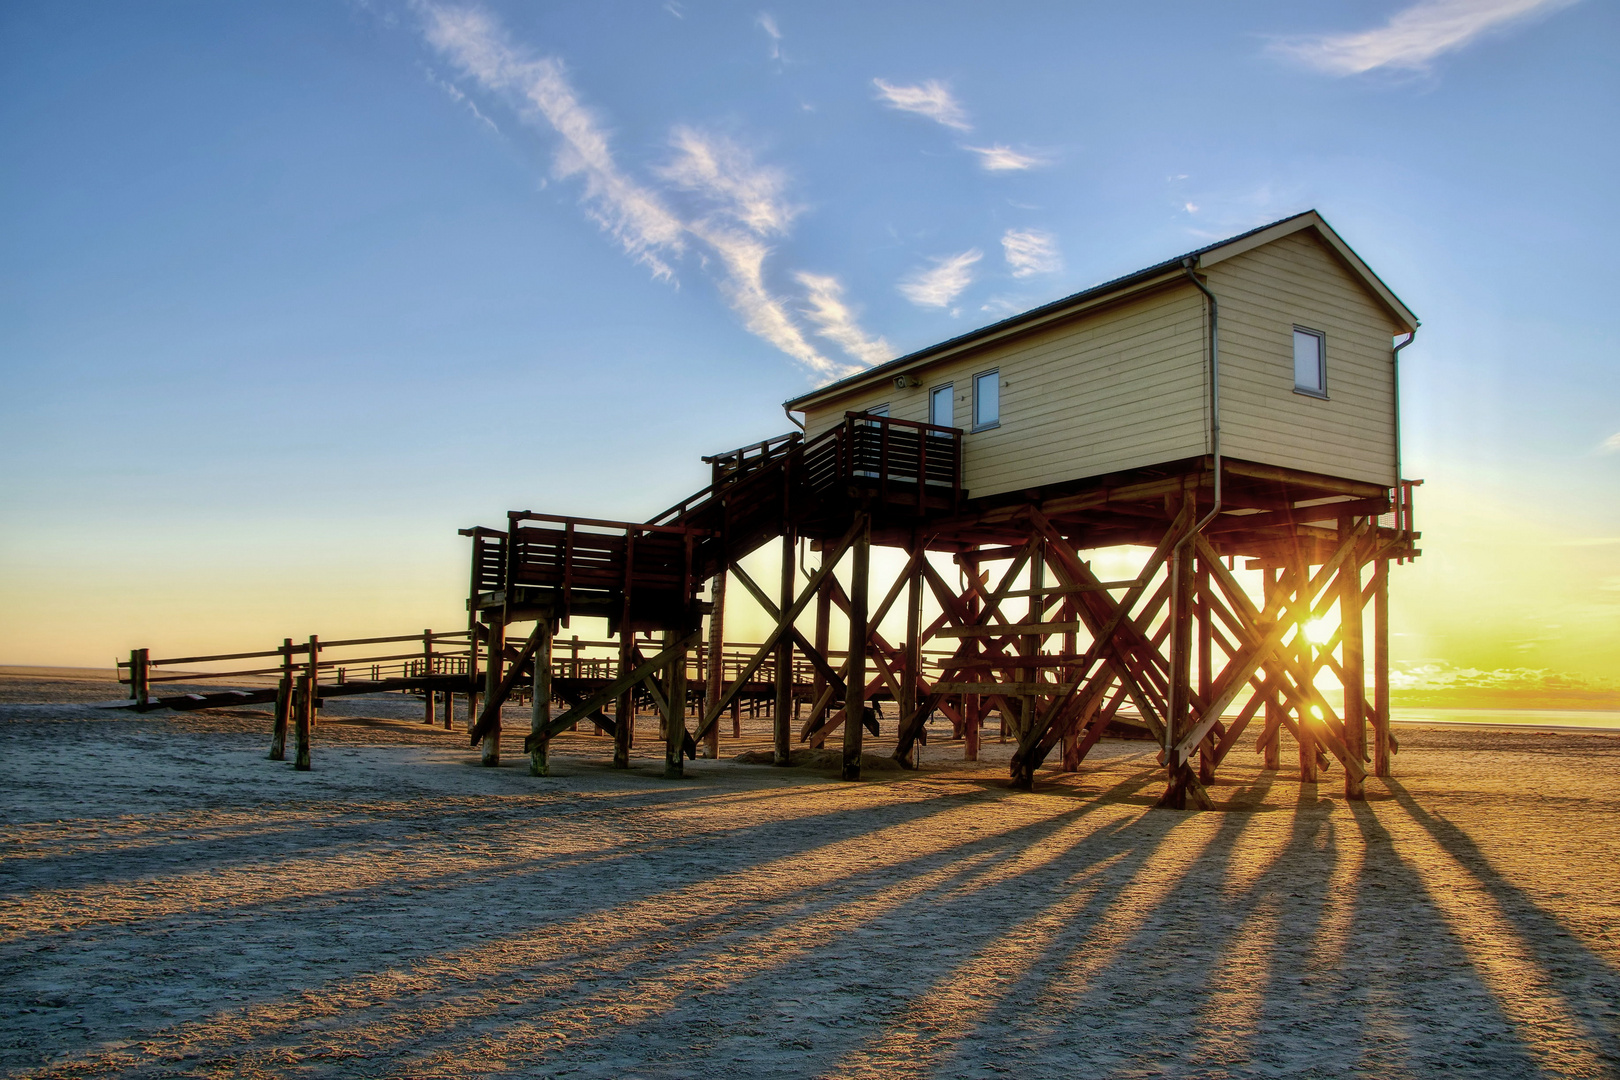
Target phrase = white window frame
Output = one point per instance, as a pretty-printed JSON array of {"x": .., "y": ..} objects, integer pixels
[
  {"x": 994, "y": 374},
  {"x": 949, "y": 390},
  {"x": 1320, "y": 389}
]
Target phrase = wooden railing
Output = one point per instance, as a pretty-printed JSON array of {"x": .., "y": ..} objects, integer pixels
[
  {"x": 730, "y": 469},
  {"x": 442, "y": 653},
  {"x": 883, "y": 451}
]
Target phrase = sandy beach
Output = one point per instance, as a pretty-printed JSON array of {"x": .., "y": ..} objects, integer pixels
[{"x": 174, "y": 904}]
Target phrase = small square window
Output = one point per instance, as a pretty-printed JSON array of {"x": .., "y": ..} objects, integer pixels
[
  {"x": 1310, "y": 362},
  {"x": 986, "y": 400},
  {"x": 942, "y": 406}
]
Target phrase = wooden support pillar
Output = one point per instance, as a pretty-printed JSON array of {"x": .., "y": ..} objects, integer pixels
[
  {"x": 1178, "y": 718},
  {"x": 972, "y": 704},
  {"x": 1352, "y": 653},
  {"x": 1271, "y": 735},
  {"x": 284, "y": 704},
  {"x": 782, "y": 717},
  {"x": 1206, "y": 659},
  {"x": 540, "y": 705},
  {"x": 912, "y": 647},
  {"x": 491, "y": 749},
  {"x": 1306, "y": 728},
  {"x": 716, "y": 671},
  {"x": 674, "y": 709},
  {"x": 624, "y": 723},
  {"x": 305, "y": 720},
  {"x": 1380, "y": 714},
  {"x": 449, "y": 709},
  {"x": 823, "y": 630},
  {"x": 1029, "y": 644},
  {"x": 855, "y": 681}
]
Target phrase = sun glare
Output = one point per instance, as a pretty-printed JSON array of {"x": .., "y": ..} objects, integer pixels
[{"x": 1319, "y": 631}]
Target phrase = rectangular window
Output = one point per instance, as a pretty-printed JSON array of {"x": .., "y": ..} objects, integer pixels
[
  {"x": 878, "y": 410},
  {"x": 942, "y": 406},
  {"x": 986, "y": 400},
  {"x": 1310, "y": 362}
]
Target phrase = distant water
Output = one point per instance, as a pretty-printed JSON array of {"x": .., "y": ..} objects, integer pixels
[{"x": 1538, "y": 718}]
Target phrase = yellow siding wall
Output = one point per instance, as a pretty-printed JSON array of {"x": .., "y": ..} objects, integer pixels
[
  {"x": 1116, "y": 389},
  {"x": 1263, "y": 294},
  {"x": 1126, "y": 386}
]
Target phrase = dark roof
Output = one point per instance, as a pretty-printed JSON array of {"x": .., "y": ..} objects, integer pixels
[{"x": 1057, "y": 305}]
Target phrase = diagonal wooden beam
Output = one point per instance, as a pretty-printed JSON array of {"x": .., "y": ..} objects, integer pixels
[
  {"x": 784, "y": 626},
  {"x": 1294, "y": 681},
  {"x": 616, "y": 687},
  {"x": 1071, "y": 567},
  {"x": 493, "y": 703},
  {"x": 817, "y": 659}
]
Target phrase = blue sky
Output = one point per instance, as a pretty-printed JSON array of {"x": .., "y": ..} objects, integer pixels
[{"x": 293, "y": 291}]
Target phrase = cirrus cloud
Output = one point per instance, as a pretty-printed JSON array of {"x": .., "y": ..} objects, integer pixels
[
  {"x": 1412, "y": 37},
  {"x": 715, "y": 199},
  {"x": 931, "y": 99},
  {"x": 1030, "y": 252},
  {"x": 938, "y": 285},
  {"x": 999, "y": 158}
]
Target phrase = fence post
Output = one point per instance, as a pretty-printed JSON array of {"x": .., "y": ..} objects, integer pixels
[
  {"x": 139, "y": 662},
  {"x": 284, "y": 704},
  {"x": 427, "y": 673},
  {"x": 306, "y": 719},
  {"x": 314, "y": 677}
]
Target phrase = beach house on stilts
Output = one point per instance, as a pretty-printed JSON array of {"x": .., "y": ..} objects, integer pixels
[{"x": 1232, "y": 412}]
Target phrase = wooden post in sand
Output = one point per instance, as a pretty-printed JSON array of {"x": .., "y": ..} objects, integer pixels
[
  {"x": 855, "y": 682},
  {"x": 1298, "y": 579},
  {"x": 305, "y": 720},
  {"x": 1206, "y": 659},
  {"x": 540, "y": 707},
  {"x": 624, "y": 721},
  {"x": 139, "y": 672},
  {"x": 823, "y": 631},
  {"x": 284, "y": 704},
  {"x": 491, "y": 749},
  {"x": 427, "y": 673},
  {"x": 715, "y": 683},
  {"x": 913, "y": 644},
  {"x": 675, "y": 709},
  {"x": 1380, "y": 716},
  {"x": 782, "y": 718},
  {"x": 1271, "y": 743},
  {"x": 1351, "y": 650},
  {"x": 1177, "y": 714},
  {"x": 314, "y": 678}
]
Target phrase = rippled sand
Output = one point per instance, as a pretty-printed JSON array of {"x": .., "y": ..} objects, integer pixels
[{"x": 173, "y": 904}]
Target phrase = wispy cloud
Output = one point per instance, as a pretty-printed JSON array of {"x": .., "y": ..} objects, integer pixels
[
  {"x": 835, "y": 320},
  {"x": 715, "y": 198},
  {"x": 633, "y": 215},
  {"x": 453, "y": 92},
  {"x": 1414, "y": 36},
  {"x": 1030, "y": 252},
  {"x": 998, "y": 158},
  {"x": 741, "y": 204},
  {"x": 938, "y": 285},
  {"x": 724, "y": 176},
  {"x": 767, "y": 23},
  {"x": 1611, "y": 445},
  {"x": 931, "y": 99}
]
